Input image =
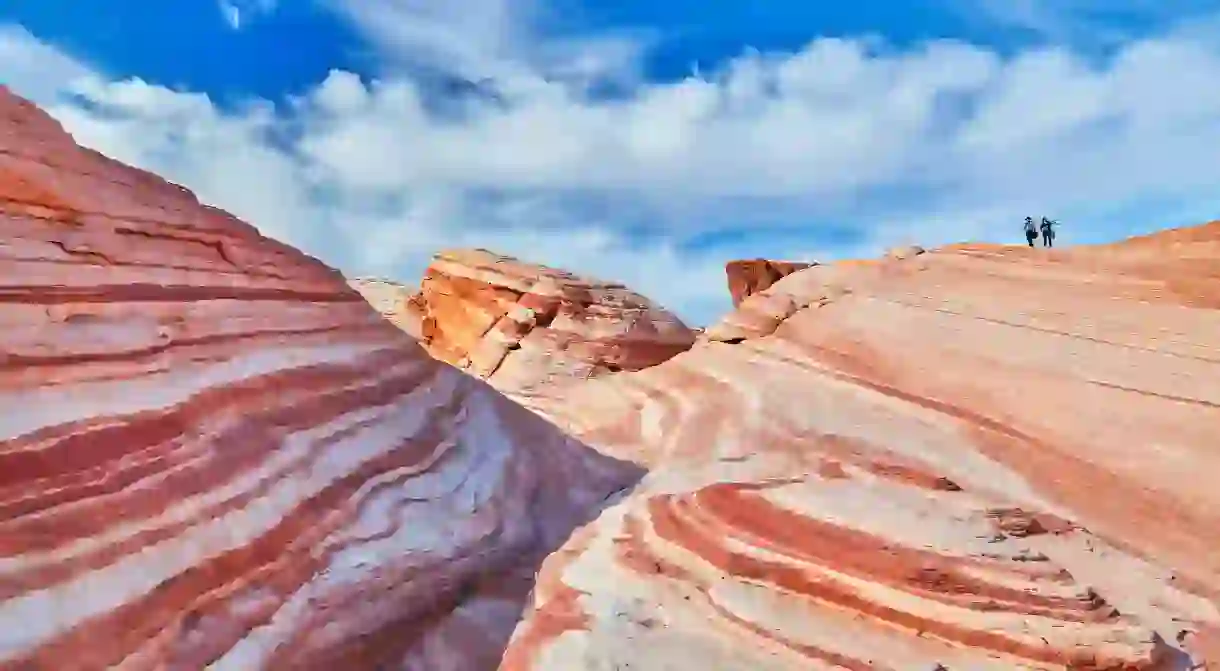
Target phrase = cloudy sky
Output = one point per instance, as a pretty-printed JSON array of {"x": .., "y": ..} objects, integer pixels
[{"x": 646, "y": 141}]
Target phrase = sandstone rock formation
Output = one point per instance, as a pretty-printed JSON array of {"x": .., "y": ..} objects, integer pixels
[
  {"x": 971, "y": 458},
  {"x": 213, "y": 452},
  {"x": 523, "y": 326},
  {"x": 748, "y": 277},
  {"x": 391, "y": 299}
]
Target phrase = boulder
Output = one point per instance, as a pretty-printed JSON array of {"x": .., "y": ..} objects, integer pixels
[
  {"x": 748, "y": 277},
  {"x": 523, "y": 327}
]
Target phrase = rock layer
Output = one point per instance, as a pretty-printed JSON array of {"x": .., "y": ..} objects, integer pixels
[
  {"x": 748, "y": 277},
  {"x": 976, "y": 457},
  {"x": 523, "y": 326},
  {"x": 213, "y": 452}
]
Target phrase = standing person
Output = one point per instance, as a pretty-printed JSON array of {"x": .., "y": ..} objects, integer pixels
[
  {"x": 1048, "y": 232},
  {"x": 1031, "y": 232}
]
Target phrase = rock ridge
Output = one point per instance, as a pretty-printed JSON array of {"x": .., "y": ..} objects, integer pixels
[
  {"x": 524, "y": 326},
  {"x": 214, "y": 454},
  {"x": 973, "y": 457}
]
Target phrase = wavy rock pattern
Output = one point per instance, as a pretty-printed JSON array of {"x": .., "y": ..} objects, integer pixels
[
  {"x": 969, "y": 458},
  {"x": 748, "y": 277},
  {"x": 213, "y": 452},
  {"x": 523, "y": 327}
]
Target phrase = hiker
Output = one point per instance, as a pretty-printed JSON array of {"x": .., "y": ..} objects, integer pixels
[
  {"x": 1031, "y": 232},
  {"x": 1048, "y": 232}
]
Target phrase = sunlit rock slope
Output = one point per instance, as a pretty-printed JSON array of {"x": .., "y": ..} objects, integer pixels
[{"x": 973, "y": 458}]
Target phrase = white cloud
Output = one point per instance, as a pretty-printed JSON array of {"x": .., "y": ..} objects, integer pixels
[
  {"x": 1097, "y": 23},
  {"x": 33, "y": 68},
  {"x": 508, "y": 40},
  {"x": 937, "y": 143},
  {"x": 239, "y": 13}
]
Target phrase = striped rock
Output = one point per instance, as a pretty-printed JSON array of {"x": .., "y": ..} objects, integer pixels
[
  {"x": 970, "y": 458},
  {"x": 213, "y": 452},
  {"x": 524, "y": 327}
]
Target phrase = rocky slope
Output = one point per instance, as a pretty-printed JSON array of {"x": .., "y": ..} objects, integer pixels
[
  {"x": 213, "y": 451},
  {"x": 392, "y": 301},
  {"x": 523, "y": 327},
  {"x": 973, "y": 458},
  {"x": 748, "y": 277}
]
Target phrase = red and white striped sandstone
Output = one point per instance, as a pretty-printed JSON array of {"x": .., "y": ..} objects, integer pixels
[
  {"x": 214, "y": 453},
  {"x": 523, "y": 327},
  {"x": 971, "y": 458}
]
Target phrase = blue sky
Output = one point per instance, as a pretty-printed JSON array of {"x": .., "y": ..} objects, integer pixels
[{"x": 643, "y": 141}]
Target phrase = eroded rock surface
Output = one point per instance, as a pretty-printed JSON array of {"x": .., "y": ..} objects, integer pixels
[
  {"x": 750, "y": 276},
  {"x": 212, "y": 451},
  {"x": 392, "y": 301},
  {"x": 523, "y": 326},
  {"x": 970, "y": 458}
]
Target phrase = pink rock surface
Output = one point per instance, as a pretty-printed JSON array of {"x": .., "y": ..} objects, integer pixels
[
  {"x": 524, "y": 327},
  {"x": 970, "y": 458},
  {"x": 213, "y": 452}
]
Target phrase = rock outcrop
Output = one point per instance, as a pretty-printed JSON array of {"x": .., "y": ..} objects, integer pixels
[
  {"x": 523, "y": 326},
  {"x": 212, "y": 452},
  {"x": 392, "y": 300},
  {"x": 748, "y": 277},
  {"x": 976, "y": 457}
]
